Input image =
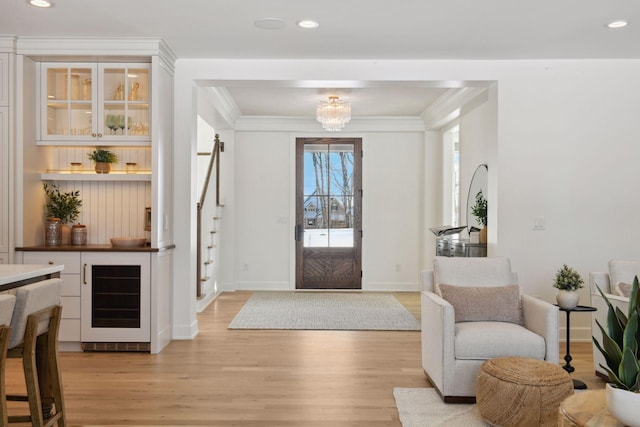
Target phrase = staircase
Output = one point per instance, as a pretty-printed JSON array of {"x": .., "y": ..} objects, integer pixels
[{"x": 209, "y": 212}]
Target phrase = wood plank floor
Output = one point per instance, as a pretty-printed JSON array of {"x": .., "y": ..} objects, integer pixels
[{"x": 254, "y": 378}]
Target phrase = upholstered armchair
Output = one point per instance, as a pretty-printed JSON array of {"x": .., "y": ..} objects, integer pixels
[
  {"x": 616, "y": 285},
  {"x": 472, "y": 311}
]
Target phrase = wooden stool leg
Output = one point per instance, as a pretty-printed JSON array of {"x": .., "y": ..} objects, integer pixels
[
  {"x": 4, "y": 342},
  {"x": 31, "y": 372}
]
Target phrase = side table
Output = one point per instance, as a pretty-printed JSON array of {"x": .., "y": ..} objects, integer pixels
[
  {"x": 577, "y": 384},
  {"x": 587, "y": 408}
]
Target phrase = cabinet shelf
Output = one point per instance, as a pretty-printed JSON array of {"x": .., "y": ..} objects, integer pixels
[{"x": 92, "y": 176}]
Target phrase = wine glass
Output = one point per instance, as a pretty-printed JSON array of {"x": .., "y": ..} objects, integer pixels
[
  {"x": 111, "y": 122},
  {"x": 121, "y": 123}
]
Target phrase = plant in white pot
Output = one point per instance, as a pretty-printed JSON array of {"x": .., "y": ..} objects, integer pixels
[
  {"x": 621, "y": 350},
  {"x": 479, "y": 211},
  {"x": 567, "y": 281}
]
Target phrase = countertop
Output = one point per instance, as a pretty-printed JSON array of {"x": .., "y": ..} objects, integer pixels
[
  {"x": 91, "y": 248},
  {"x": 10, "y": 273}
]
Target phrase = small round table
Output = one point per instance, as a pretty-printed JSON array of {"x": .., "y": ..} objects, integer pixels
[
  {"x": 587, "y": 408},
  {"x": 577, "y": 384}
]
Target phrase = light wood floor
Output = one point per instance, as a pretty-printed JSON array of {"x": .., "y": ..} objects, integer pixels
[{"x": 254, "y": 378}]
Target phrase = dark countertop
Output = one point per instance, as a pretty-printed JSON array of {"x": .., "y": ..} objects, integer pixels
[{"x": 91, "y": 248}]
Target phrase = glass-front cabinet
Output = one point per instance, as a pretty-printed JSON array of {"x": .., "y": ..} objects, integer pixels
[{"x": 95, "y": 103}]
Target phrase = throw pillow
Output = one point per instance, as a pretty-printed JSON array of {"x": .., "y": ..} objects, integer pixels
[
  {"x": 484, "y": 304},
  {"x": 622, "y": 289}
]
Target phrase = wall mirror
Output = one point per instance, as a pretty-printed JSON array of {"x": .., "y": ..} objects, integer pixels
[{"x": 478, "y": 183}]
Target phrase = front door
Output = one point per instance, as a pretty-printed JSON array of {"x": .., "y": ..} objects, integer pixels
[{"x": 328, "y": 213}]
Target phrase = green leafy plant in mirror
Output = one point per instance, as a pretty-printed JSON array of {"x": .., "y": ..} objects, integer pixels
[
  {"x": 65, "y": 206},
  {"x": 620, "y": 342},
  {"x": 567, "y": 279},
  {"x": 100, "y": 155},
  {"x": 479, "y": 210}
]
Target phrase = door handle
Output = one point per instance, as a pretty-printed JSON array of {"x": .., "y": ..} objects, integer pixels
[
  {"x": 84, "y": 274},
  {"x": 298, "y": 233}
]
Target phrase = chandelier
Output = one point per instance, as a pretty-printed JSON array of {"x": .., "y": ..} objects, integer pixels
[{"x": 333, "y": 114}]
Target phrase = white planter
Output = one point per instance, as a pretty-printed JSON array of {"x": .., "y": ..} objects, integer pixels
[
  {"x": 567, "y": 299},
  {"x": 624, "y": 405}
]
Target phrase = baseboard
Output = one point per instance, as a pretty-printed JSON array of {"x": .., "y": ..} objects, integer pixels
[
  {"x": 264, "y": 286},
  {"x": 392, "y": 286},
  {"x": 208, "y": 299},
  {"x": 581, "y": 334},
  {"x": 162, "y": 340},
  {"x": 186, "y": 332}
]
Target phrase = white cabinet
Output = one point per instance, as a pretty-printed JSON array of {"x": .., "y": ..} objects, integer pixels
[
  {"x": 89, "y": 103},
  {"x": 116, "y": 297},
  {"x": 105, "y": 296},
  {"x": 70, "y": 291}
]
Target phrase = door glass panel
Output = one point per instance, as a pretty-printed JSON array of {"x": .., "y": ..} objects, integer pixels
[
  {"x": 328, "y": 195},
  {"x": 81, "y": 119},
  {"x": 114, "y": 84}
]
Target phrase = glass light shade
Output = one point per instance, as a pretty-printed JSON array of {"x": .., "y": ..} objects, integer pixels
[{"x": 333, "y": 114}]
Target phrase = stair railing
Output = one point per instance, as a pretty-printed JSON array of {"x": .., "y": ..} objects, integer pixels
[{"x": 214, "y": 163}]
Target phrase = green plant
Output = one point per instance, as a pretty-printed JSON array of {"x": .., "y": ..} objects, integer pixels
[
  {"x": 100, "y": 155},
  {"x": 479, "y": 210},
  {"x": 620, "y": 342},
  {"x": 568, "y": 279},
  {"x": 62, "y": 205}
]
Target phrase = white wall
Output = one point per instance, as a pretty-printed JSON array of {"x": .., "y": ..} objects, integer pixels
[{"x": 566, "y": 150}]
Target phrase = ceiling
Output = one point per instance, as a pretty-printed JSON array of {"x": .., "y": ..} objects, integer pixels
[{"x": 349, "y": 29}]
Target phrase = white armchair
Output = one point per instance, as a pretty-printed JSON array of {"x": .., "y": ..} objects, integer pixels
[
  {"x": 452, "y": 353},
  {"x": 620, "y": 271}
]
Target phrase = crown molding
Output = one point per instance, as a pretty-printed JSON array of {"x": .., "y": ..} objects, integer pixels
[
  {"x": 308, "y": 124},
  {"x": 93, "y": 46},
  {"x": 8, "y": 43},
  {"x": 222, "y": 102},
  {"x": 448, "y": 106}
]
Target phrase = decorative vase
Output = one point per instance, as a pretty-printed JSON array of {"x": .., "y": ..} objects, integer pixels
[
  {"x": 623, "y": 405},
  {"x": 102, "y": 167},
  {"x": 53, "y": 232},
  {"x": 567, "y": 299},
  {"x": 483, "y": 235}
]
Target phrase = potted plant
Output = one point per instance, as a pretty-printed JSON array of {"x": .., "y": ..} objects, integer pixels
[
  {"x": 621, "y": 351},
  {"x": 479, "y": 210},
  {"x": 567, "y": 281},
  {"x": 65, "y": 207},
  {"x": 103, "y": 159}
]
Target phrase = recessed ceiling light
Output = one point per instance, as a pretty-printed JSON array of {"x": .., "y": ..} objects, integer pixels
[
  {"x": 269, "y": 23},
  {"x": 617, "y": 24},
  {"x": 308, "y": 24},
  {"x": 40, "y": 3}
]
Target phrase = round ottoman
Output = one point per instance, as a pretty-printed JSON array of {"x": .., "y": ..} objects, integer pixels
[{"x": 516, "y": 391}]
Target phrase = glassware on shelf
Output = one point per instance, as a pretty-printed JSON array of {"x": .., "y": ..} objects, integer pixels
[
  {"x": 121, "y": 123},
  {"x": 111, "y": 122},
  {"x": 131, "y": 167}
]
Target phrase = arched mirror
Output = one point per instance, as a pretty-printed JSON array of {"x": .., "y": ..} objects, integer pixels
[{"x": 478, "y": 184}]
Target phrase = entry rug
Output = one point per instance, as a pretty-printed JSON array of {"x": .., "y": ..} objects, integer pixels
[
  {"x": 324, "y": 311},
  {"x": 422, "y": 407}
]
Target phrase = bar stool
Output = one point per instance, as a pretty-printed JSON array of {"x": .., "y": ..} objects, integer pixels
[
  {"x": 34, "y": 325},
  {"x": 7, "y": 302}
]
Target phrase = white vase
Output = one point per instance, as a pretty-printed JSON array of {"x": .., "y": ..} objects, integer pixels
[
  {"x": 623, "y": 405},
  {"x": 567, "y": 299}
]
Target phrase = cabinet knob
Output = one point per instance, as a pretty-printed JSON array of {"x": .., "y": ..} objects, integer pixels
[
  {"x": 99, "y": 135},
  {"x": 50, "y": 262},
  {"x": 93, "y": 135}
]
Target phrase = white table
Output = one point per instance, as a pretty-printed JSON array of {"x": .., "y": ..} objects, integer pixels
[{"x": 16, "y": 275}]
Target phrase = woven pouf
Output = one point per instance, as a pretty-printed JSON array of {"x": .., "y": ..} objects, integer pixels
[{"x": 516, "y": 391}]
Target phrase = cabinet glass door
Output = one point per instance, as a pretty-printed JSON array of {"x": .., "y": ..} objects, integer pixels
[
  {"x": 124, "y": 97},
  {"x": 68, "y": 104}
]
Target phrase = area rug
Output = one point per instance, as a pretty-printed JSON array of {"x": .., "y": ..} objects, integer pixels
[
  {"x": 325, "y": 311},
  {"x": 422, "y": 407}
]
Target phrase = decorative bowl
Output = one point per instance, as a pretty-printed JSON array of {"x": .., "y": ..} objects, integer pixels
[{"x": 128, "y": 242}]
